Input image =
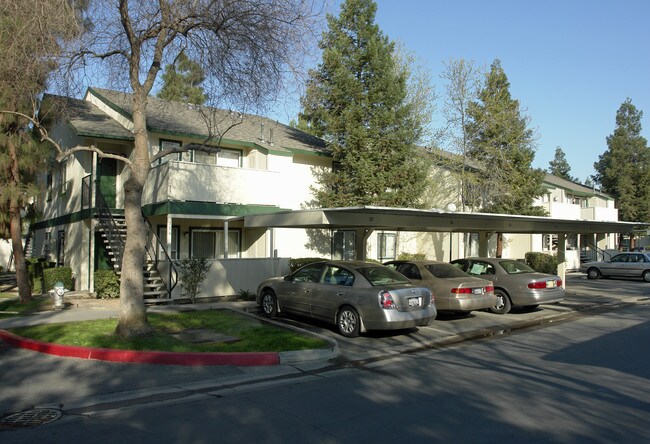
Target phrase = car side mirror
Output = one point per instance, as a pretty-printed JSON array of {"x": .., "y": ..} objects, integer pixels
[{"x": 288, "y": 278}]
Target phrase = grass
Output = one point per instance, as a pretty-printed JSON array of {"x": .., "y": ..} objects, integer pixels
[
  {"x": 11, "y": 306},
  {"x": 253, "y": 334}
]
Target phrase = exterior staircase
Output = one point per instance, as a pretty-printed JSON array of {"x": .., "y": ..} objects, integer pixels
[{"x": 113, "y": 232}]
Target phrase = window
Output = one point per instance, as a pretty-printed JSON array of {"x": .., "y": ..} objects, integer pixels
[
  {"x": 48, "y": 186},
  {"x": 169, "y": 144},
  {"x": 63, "y": 185},
  {"x": 60, "y": 248},
  {"x": 203, "y": 157},
  {"x": 162, "y": 237},
  {"x": 338, "y": 276},
  {"x": 230, "y": 158},
  {"x": 308, "y": 273},
  {"x": 209, "y": 243},
  {"x": 386, "y": 246},
  {"x": 343, "y": 243}
]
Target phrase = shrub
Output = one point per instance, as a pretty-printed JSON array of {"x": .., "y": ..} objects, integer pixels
[
  {"x": 294, "y": 264},
  {"x": 542, "y": 262},
  {"x": 411, "y": 256},
  {"x": 60, "y": 274},
  {"x": 35, "y": 267},
  {"x": 107, "y": 284},
  {"x": 193, "y": 272}
]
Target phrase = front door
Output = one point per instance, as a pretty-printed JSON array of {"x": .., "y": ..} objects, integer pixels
[{"x": 107, "y": 180}]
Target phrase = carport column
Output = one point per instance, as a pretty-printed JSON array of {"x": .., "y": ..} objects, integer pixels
[
  {"x": 482, "y": 243},
  {"x": 361, "y": 239},
  {"x": 225, "y": 239},
  {"x": 168, "y": 240},
  {"x": 561, "y": 257}
]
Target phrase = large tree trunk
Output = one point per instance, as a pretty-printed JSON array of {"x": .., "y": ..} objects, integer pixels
[
  {"x": 132, "y": 320},
  {"x": 16, "y": 230},
  {"x": 24, "y": 289}
]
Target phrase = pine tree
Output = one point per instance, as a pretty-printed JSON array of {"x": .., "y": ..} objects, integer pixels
[
  {"x": 560, "y": 167},
  {"x": 501, "y": 141},
  {"x": 357, "y": 100},
  {"x": 182, "y": 81},
  {"x": 623, "y": 170}
]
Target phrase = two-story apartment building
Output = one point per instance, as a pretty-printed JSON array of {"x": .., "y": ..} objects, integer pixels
[{"x": 193, "y": 201}]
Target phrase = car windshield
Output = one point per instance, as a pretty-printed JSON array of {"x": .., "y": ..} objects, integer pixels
[
  {"x": 515, "y": 267},
  {"x": 382, "y": 276},
  {"x": 445, "y": 271}
]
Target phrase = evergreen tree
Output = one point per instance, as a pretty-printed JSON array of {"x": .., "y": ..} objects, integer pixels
[
  {"x": 182, "y": 81},
  {"x": 560, "y": 167},
  {"x": 358, "y": 102},
  {"x": 623, "y": 170},
  {"x": 500, "y": 140}
]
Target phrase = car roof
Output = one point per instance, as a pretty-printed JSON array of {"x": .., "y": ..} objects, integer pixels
[{"x": 418, "y": 261}]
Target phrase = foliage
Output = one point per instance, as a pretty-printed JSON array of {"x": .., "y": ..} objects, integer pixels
[
  {"x": 501, "y": 141},
  {"x": 296, "y": 263},
  {"x": 182, "y": 81},
  {"x": 252, "y": 336},
  {"x": 358, "y": 101},
  {"x": 542, "y": 262},
  {"x": 35, "y": 273},
  {"x": 193, "y": 273},
  {"x": 411, "y": 256},
  {"x": 107, "y": 284},
  {"x": 246, "y": 295},
  {"x": 59, "y": 274},
  {"x": 560, "y": 167},
  {"x": 31, "y": 34},
  {"x": 623, "y": 170}
]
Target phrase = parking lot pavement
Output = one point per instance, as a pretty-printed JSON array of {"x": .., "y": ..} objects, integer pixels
[{"x": 581, "y": 293}]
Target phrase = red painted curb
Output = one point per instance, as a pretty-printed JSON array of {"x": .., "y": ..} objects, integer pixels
[{"x": 147, "y": 357}]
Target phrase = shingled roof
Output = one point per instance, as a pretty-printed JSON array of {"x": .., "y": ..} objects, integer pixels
[{"x": 184, "y": 120}]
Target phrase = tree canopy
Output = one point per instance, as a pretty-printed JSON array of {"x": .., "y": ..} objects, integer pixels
[
  {"x": 182, "y": 81},
  {"x": 623, "y": 170},
  {"x": 560, "y": 167},
  {"x": 358, "y": 101},
  {"x": 501, "y": 141}
]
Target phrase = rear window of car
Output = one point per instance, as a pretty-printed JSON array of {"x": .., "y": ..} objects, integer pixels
[
  {"x": 382, "y": 276},
  {"x": 515, "y": 267},
  {"x": 445, "y": 271}
]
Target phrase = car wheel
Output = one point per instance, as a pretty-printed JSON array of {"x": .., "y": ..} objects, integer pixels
[
  {"x": 593, "y": 273},
  {"x": 348, "y": 322},
  {"x": 503, "y": 304},
  {"x": 269, "y": 303},
  {"x": 646, "y": 275}
]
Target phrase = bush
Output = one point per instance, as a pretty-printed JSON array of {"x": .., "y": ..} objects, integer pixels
[
  {"x": 107, "y": 284},
  {"x": 60, "y": 274},
  {"x": 294, "y": 264},
  {"x": 193, "y": 272},
  {"x": 411, "y": 257},
  {"x": 35, "y": 267},
  {"x": 542, "y": 262}
]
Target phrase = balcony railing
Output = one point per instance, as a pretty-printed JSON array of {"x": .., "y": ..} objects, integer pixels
[{"x": 186, "y": 181}]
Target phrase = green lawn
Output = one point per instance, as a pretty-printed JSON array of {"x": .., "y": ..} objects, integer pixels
[
  {"x": 10, "y": 306},
  {"x": 253, "y": 334}
]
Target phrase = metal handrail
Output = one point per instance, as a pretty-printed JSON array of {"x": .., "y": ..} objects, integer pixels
[
  {"x": 600, "y": 253},
  {"x": 172, "y": 271},
  {"x": 107, "y": 222}
]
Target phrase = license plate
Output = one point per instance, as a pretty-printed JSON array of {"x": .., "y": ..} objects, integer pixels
[
  {"x": 414, "y": 302},
  {"x": 477, "y": 291},
  {"x": 550, "y": 284}
]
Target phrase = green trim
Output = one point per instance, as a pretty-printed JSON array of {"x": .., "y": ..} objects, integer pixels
[
  {"x": 102, "y": 136},
  {"x": 207, "y": 209},
  {"x": 308, "y": 153},
  {"x": 77, "y": 216}
]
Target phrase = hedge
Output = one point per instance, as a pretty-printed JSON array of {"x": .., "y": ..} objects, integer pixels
[
  {"x": 542, "y": 262},
  {"x": 59, "y": 274},
  {"x": 107, "y": 284},
  {"x": 294, "y": 264}
]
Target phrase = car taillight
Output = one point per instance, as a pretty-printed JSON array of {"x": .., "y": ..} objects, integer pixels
[
  {"x": 559, "y": 282},
  {"x": 461, "y": 290},
  {"x": 537, "y": 285},
  {"x": 489, "y": 289},
  {"x": 386, "y": 300}
]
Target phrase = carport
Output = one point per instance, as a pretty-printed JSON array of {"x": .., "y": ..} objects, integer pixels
[{"x": 367, "y": 219}]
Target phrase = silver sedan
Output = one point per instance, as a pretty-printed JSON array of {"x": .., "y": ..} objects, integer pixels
[
  {"x": 515, "y": 283},
  {"x": 355, "y": 296},
  {"x": 629, "y": 264},
  {"x": 453, "y": 289}
]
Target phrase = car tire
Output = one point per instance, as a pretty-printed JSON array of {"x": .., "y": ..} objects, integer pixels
[
  {"x": 503, "y": 305},
  {"x": 646, "y": 275},
  {"x": 269, "y": 303},
  {"x": 593, "y": 273},
  {"x": 348, "y": 322}
]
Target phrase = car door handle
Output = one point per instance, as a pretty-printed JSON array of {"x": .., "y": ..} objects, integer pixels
[
  {"x": 339, "y": 294},
  {"x": 307, "y": 291}
]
